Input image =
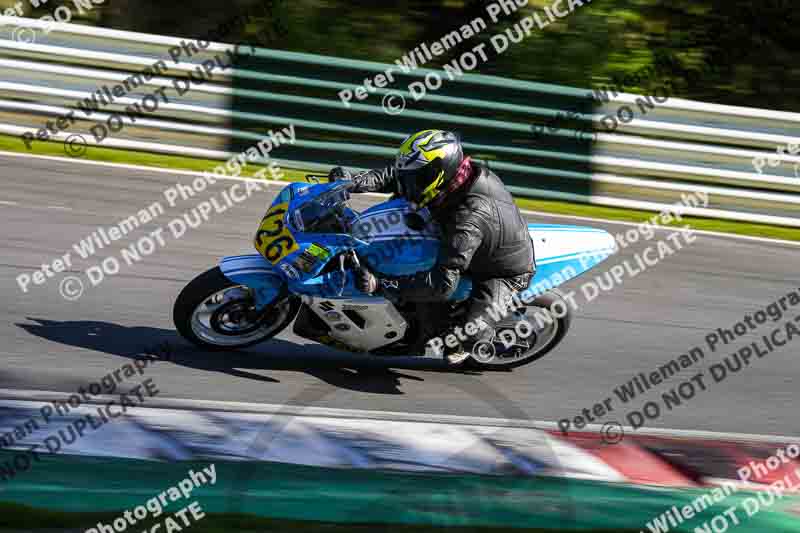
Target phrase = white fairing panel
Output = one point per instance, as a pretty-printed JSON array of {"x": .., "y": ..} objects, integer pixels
[
  {"x": 565, "y": 252},
  {"x": 563, "y": 242},
  {"x": 361, "y": 323}
]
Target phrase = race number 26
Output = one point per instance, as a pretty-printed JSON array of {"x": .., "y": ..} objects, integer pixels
[{"x": 273, "y": 239}]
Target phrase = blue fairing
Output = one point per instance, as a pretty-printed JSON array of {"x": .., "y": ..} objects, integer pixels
[
  {"x": 255, "y": 272},
  {"x": 393, "y": 248}
]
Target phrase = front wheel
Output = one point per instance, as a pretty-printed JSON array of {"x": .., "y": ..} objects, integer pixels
[
  {"x": 214, "y": 312},
  {"x": 525, "y": 335}
]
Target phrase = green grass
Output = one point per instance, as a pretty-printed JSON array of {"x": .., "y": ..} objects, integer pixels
[
  {"x": 112, "y": 155},
  {"x": 14, "y": 144}
]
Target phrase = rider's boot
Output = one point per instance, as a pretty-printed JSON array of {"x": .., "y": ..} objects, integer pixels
[{"x": 458, "y": 355}]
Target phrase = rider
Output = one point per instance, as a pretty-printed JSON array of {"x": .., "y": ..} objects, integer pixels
[{"x": 484, "y": 234}]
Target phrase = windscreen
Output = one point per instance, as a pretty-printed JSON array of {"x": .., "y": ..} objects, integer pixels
[{"x": 324, "y": 211}]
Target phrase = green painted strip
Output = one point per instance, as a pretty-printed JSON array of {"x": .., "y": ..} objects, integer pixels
[{"x": 86, "y": 484}]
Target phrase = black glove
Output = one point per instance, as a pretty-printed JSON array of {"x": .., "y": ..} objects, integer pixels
[
  {"x": 366, "y": 281},
  {"x": 338, "y": 173}
]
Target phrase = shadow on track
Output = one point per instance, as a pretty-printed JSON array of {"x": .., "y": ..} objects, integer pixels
[{"x": 361, "y": 373}]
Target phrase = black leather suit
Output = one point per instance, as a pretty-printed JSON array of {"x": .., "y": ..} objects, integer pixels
[{"x": 484, "y": 237}]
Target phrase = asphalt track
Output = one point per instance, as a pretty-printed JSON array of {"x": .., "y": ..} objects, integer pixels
[{"x": 51, "y": 344}]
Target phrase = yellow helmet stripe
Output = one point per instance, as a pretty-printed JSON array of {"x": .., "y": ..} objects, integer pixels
[
  {"x": 433, "y": 154},
  {"x": 433, "y": 133},
  {"x": 432, "y": 190},
  {"x": 408, "y": 145}
]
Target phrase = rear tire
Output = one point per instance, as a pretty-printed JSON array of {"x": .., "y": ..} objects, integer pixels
[
  {"x": 203, "y": 289},
  {"x": 561, "y": 324}
]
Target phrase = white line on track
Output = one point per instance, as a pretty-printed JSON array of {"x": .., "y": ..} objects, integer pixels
[
  {"x": 298, "y": 410},
  {"x": 283, "y": 183}
]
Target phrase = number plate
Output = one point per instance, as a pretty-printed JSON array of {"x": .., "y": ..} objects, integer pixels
[{"x": 273, "y": 239}]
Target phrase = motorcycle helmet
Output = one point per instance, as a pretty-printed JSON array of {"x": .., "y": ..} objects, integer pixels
[{"x": 427, "y": 165}]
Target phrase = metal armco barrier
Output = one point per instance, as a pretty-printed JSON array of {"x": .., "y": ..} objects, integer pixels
[{"x": 669, "y": 149}]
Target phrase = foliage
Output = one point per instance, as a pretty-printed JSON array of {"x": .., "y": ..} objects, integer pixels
[{"x": 740, "y": 52}]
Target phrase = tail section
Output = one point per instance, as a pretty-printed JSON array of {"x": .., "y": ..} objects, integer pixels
[{"x": 565, "y": 252}]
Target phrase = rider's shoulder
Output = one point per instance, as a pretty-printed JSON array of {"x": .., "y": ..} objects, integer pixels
[{"x": 472, "y": 208}]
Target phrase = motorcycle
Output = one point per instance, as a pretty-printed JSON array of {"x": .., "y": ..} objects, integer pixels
[{"x": 310, "y": 242}]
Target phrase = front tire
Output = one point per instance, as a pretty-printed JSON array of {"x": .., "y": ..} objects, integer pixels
[{"x": 216, "y": 313}]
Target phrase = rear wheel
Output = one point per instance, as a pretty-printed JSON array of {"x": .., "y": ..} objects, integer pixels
[
  {"x": 214, "y": 312},
  {"x": 526, "y": 335}
]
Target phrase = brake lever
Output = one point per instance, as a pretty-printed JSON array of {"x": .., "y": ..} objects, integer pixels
[
  {"x": 353, "y": 257},
  {"x": 343, "y": 270}
]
